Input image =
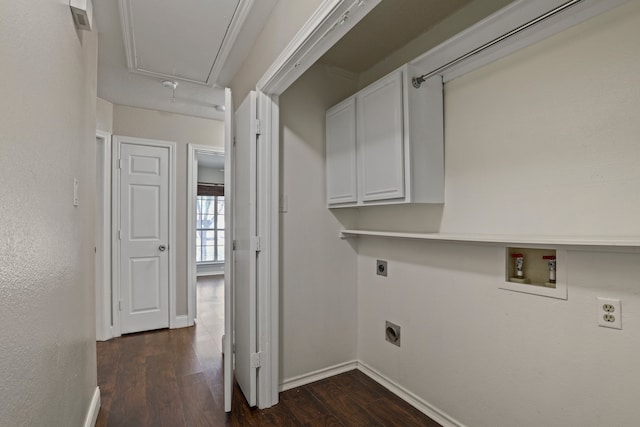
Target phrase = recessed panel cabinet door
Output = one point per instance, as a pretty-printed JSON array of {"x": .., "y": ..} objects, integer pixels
[
  {"x": 341, "y": 153},
  {"x": 380, "y": 140}
]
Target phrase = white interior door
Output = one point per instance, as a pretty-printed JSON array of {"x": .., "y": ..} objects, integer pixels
[
  {"x": 228, "y": 250},
  {"x": 245, "y": 284},
  {"x": 144, "y": 237}
]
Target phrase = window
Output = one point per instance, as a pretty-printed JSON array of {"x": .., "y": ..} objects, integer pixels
[{"x": 210, "y": 229}]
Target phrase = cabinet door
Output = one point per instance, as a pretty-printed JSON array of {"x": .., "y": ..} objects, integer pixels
[
  {"x": 380, "y": 140},
  {"x": 341, "y": 153}
]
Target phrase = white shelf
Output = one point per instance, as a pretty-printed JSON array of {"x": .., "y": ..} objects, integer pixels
[{"x": 628, "y": 244}]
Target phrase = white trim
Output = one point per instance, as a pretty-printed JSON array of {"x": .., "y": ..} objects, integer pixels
[
  {"x": 192, "y": 193},
  {"x": 103, "y": 239},
  {"x": 630, "y": 244},
  {"x": 409, "y": 397},
  {"x": 115, "y": 219},
  {"x": 181, "y": 321},
  {"x": 236, "y": 25},
  {"x": 115, "y": 246},
  {"x": 317, "y": 36},
  {"x": 229, "y": 265},
  {"x": 268, "y": 260},
  {"x": 93, "y": 410},
  {"x": 320, "y": 374}
]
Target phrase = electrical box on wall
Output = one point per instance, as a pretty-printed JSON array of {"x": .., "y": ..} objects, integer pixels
[
  {"x": 82, "y": 11},
  {"x": 538, "y": 271}
]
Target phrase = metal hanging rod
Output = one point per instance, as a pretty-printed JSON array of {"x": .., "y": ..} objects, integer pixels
[{"x": 417, "y": 81}]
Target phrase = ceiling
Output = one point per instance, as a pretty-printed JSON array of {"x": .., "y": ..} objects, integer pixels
[
  {"x": 200, "y": 44},
  {"x": 214, "y": 161},
  {"x": 388, "y": 27},
  {"x": 197, "y": 43}
]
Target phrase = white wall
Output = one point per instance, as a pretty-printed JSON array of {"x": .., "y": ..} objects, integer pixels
[
  {"x": 210, "y": 175},
  {"x": 47, "y": 138},
  {"x": 183, "y": 130},
  {"x": 318, "y": 271},
  {"x": 104, "y": 115},
  {"x": 543, "y": 142}
]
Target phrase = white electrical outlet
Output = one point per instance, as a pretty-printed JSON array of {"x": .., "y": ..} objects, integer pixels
[{"x": 610, "y": 313}]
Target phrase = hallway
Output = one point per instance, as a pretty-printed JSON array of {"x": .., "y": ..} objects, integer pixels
[{"x": 174, "y": 378}]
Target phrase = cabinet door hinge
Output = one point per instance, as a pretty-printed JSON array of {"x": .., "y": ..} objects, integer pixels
[
  {"x": 120, "y": 305},
  {"x": 258, "y": 130},
  {"x": 256, "y": 359},
  {"x": 233, "y": 245},
  {"x": 119, "y": 164}
]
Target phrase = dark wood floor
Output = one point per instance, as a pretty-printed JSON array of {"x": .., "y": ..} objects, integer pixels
[{"x": 174, "y": 378}]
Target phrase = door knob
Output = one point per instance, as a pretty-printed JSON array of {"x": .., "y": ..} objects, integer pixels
[{"x": 162, "y": 248}]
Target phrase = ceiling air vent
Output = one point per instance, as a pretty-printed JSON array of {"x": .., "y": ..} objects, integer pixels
[{"x": 82, "y": 11}]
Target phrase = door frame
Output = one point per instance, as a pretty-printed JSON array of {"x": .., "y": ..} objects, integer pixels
[
  {"x": 117, "y": 140},
  {"x": 103, "y": 237},
  {"x": 192, "y": 192},
  {"x": 317, "y": 35}
]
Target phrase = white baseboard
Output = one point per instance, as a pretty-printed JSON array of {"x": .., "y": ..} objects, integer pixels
[
  {"x": 181, "y": 322},
  {"x": 318, "y": 375},
  {"x": 409, "y": 397},
  {"x": 94, "y": 408}
]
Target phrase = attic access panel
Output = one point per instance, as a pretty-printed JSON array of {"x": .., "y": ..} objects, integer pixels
[{"x": 177, "y": 39}]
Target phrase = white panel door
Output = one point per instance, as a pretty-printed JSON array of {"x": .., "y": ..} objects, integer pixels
[
  {"x": 144, "y": 237},
  {"x": 341, "y": 153},
  {"x": 245, "y": 225},
  {"x": 380, "y": 139},
  {"x": 229, "y": 263}
]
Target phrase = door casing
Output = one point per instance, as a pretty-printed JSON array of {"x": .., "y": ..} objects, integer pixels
[{"x": 103, "y": 237}]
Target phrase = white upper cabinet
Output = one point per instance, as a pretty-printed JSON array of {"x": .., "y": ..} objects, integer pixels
[
  {"x": 385, "y": 144},
  {"x": 380, "y": 144},
  {"x": 341, "y": 153}
]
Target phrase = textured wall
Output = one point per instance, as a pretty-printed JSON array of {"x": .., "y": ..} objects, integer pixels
[{"x": 47, "y": 138}]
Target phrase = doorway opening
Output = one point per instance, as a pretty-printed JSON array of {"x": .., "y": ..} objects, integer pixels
[
  {"x": 207, "y": 237},
  {"x": 210, "y": 242}
]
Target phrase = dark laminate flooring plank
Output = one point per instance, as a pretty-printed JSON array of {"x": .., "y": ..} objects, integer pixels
[
  {"x": 129, "y": 405},
  {"x": 200, "y": 409},
  {"x": 163, "y": 394},
  {"x": 306, "y": 409},
  {"x": 392, "y": 414},
  {"x": 346, "y": 409},
  {"x": 364, "y": 392}
]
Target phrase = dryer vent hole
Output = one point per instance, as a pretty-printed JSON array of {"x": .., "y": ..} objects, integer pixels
[{"x": 392, "y": 333}]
